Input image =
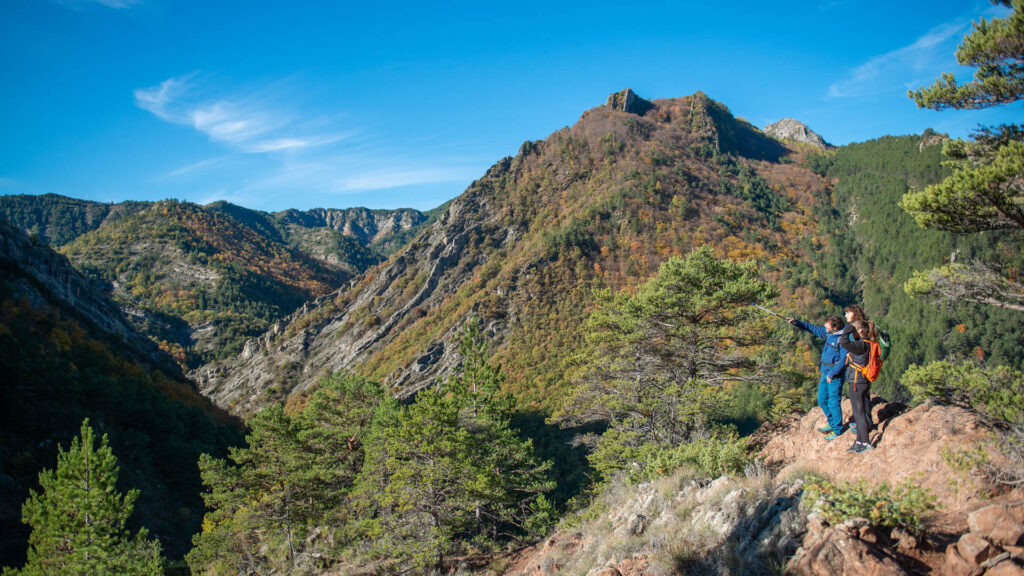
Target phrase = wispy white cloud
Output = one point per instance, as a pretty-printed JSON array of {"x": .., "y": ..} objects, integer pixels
[
  {"x": 253, "y": 122},
  {"x": 289, "y": 146},
  {"x": 904, "y": 68},
  {"x": 194, "y": 167}
]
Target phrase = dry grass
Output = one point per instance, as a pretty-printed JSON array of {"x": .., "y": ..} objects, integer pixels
[{"x": 685, "y": 530}]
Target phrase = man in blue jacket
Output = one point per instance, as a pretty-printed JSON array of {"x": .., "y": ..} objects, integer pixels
[{"x": 833, "y": 368}]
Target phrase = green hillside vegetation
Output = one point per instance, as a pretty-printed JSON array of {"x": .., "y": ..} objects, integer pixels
[
  {"x": 355, "y": 481},
  {"x": 598, "y": 206},
  {"x": 179, "y": 263},
  {"x": 79, "y": 518},
  {"x": 885, "y": 247},
  {"x": 57, "y": 220},
  {"x": 55, "y": 374}
]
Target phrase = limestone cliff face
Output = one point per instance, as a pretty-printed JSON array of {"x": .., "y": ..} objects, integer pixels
[
  {"x": 333, "y": 333},
  {"x": 368, "y": 226},
  {"x": 47, "y": 278},
  {"x": 796, "y": 131}
]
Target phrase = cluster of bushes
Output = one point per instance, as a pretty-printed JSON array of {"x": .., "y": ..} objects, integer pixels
[
  {"x": 905, "y": 505},
  {"x": 996, "y": 393}
]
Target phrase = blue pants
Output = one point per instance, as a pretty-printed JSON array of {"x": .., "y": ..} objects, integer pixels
[{"x": 830, "y": 396}]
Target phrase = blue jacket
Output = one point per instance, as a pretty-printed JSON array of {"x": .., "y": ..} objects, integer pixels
[{"x": 833, "y": 358}]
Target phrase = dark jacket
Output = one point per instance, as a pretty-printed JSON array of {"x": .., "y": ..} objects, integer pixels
[
  {"x": 859, "y": 353},
  {"x": 833, "y": 359}
]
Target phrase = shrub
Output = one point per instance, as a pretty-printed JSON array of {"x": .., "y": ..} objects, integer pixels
[
  {"x": 904, "y": 505},
  {"x": 994, "y": 393}
]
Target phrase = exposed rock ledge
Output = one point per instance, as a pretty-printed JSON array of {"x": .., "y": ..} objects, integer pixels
[{"x": 761, "y": 520}]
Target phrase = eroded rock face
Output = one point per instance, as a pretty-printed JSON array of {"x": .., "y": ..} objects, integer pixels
[
  {"x": 757, "y": 529},
  {"x": 627, "y": 101},
  {"x": 838, "y": 550},
  {"x": 326, "y": 335},
  {"x": 796, "y": 131},
  {"x": 47, "y": 278}
]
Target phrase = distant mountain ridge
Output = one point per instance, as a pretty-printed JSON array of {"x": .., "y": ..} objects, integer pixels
[{"x": 202, "y": 279}]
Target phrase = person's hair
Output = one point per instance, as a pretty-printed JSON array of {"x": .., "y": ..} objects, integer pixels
[
  {"x": 866, "y": 330},
  {"x": 836, "y": 322},
  {"x": 858, "y": 314}
]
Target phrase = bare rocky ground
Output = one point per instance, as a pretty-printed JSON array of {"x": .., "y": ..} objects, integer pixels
[{"x": 760, "y": 524}]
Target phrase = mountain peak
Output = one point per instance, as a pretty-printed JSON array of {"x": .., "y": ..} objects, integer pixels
[
  {"x": 627, "y": 101},
  {"x": 792, "y": 129}
]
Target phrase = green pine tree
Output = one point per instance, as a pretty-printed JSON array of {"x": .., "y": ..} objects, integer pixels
[
  {"x": 450, "y": 469},
  {"x": 983, "y": 192},
  {"x": 659, "y": 362},
  {"x": 78, "y": 519},
  {"x": 295, "y": 473}
]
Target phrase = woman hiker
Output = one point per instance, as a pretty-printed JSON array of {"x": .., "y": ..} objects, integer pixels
[
  {"x": 854, "y": 313},
  {"x": 853, "y": 340},
  {"x": 830, "y": 385}
]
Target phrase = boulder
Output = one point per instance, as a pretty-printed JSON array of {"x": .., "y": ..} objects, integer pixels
[
  {"x": 1005, "y": 568},
  {"x": 838, "y": 552},
  {"x": 1001, "y": 524},
  {"x": 974, "y": 548},
  {"x": 956, "y": 565}
]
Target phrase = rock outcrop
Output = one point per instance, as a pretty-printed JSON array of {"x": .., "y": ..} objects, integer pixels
[
  {"x": 931, "y": 138},
  {"x": 367, "y": 226},
  {"x": 994, "y": 545},
  {"x": 760, "y": 521},
  {"x": 925, "y": 432},
  {"x": 627, "y": 101},
  {"x": 795, "y": 131},
  {"x": 741, "y": 521}
]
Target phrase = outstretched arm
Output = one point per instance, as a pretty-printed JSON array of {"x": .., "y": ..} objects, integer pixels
[{"x": 818, "y": 331}]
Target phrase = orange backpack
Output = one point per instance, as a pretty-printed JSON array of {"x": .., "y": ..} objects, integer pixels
[{"x": 874, "y": 365}]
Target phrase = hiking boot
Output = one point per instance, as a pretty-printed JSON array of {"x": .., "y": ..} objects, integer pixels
[
  {"x": 832, "y": 436},
  {"x": 825, "y": 430},
  {"x": 859, "y": 447}
]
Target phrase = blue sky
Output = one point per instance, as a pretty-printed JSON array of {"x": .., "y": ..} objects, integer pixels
[{"x": 336, "y": 104}]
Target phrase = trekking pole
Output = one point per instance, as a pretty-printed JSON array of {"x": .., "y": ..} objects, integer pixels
[{"x": 758, "y": 306}]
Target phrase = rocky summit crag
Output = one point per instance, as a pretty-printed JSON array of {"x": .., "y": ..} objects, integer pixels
[{"x": 796, "y": 131}]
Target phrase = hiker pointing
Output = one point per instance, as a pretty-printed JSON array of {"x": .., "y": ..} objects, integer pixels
[{"x": 832, "y": 368}]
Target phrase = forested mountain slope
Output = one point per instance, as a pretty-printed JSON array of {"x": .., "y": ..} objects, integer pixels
[
  {"x": 200, "y": 280},
  {"x": 879, "y": 246},
  {"x": 598, "y": 206},
  {"x": 67, "y": 353}
]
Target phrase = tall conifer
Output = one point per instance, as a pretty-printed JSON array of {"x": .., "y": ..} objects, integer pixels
[{"x": 78, "y": 519}]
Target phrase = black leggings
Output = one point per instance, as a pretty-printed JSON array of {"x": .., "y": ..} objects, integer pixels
[{"x": 860, "y": 398}]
